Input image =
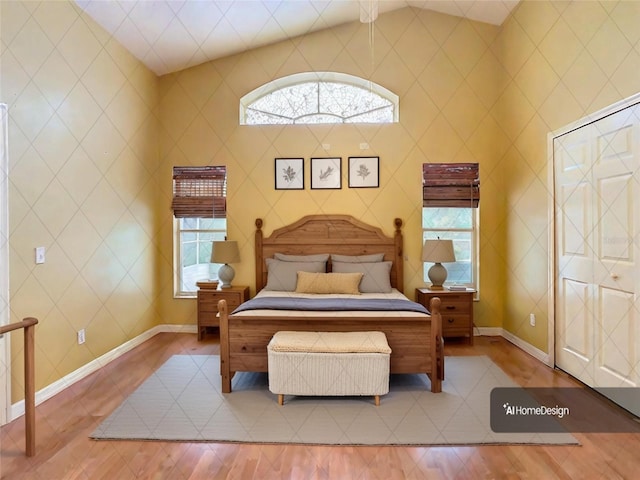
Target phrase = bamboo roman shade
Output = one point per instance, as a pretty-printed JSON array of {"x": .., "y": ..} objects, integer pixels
[
  {"x": 450, "y": 185},
  {"x": 199, "y": 192}
]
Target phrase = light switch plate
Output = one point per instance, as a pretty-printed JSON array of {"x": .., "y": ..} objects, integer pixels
[{"x": 39, "y": 255}]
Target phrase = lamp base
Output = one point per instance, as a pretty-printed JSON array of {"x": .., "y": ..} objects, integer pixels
[
  {"x": 225, "y": 275},
  {"x": 437, "y": 274}
]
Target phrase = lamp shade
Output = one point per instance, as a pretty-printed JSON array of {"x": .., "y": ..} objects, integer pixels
[
  {"x": 438, "y": 251},
  {"x": 225, "y": 252}
]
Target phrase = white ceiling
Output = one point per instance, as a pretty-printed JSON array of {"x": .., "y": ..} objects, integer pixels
[{"x": 170, "y": 35}]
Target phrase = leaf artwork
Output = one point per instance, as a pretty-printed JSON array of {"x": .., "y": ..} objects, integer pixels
[
  {"x": 289, "y": 174},
  {"x": 326, "y": 174},
  {"x": 363, "y": 171}
]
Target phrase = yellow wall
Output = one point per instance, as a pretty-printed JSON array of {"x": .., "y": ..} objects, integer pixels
[
  {"x": 90, "y": 168},
  {"x": 83, "y": 151},
  {"x": 445, "y": 71},
  {"x": 560, "y": 62}
]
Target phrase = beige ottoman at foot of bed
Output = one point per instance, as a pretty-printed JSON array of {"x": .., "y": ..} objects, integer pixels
[{"x": 329, "y": 364}]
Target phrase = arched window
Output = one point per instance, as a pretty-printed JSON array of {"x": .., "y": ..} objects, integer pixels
[{"x": 318, "y": 97}]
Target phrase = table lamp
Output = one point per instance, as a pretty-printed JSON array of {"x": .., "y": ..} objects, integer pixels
[{"x": 438, "y": 251}]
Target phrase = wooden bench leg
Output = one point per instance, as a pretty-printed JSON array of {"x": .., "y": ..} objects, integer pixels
[
  {"x": 280, "y": 399},
  {"x": 377, "y": 399}
]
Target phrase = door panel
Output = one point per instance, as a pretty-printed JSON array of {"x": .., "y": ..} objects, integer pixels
[
  {"x": 575, "y": 339},
  {"x": 615, "y": 263},
  {"x": 574, "y": 332},
  {"x": 616, "y": 352}
]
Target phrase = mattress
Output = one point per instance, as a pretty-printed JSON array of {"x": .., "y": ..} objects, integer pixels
[{"x": 394, "y": 294}]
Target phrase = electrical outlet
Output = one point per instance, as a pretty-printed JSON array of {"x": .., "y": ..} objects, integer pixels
[
  {"x": 532, "y": 319},
  {"x": 81, "y": 337}
]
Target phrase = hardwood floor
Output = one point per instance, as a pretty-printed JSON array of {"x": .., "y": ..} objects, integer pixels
[{"x": 64, "y": 450}]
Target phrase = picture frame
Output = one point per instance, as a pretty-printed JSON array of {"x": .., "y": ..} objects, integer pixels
[
  {"x": 289, "y": 173},
  {"x": 364, "y": 172},
  {"x": 326, "y": 173}
]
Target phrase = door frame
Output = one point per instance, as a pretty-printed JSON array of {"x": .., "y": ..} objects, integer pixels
[
  {"x": 551, "y": 307},
  {"x": 5, "y": 344}
]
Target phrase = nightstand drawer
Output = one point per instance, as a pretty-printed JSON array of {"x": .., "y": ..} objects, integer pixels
[
  {"x": 455, "y": 305},
  {"x": 209, "y": 303},
  {"x": 451, "y": 323}
]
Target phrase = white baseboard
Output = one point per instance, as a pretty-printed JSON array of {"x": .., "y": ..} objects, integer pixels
[
  {"x": 517, "y": 341},
  {"x": 17, "y": 409},
  {"x": 487, "y": 331},
  {"x": 535, "y": 352}
]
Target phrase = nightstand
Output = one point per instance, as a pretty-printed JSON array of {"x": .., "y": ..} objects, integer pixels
[
  {"x": 208, "y": 297},
  {"x": 456, "y": 308}
]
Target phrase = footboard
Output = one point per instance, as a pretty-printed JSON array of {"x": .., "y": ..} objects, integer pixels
[{"x": 416, "y": 342}]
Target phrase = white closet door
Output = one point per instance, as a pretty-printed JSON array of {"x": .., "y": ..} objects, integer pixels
[{"x": 598, "y": 246}]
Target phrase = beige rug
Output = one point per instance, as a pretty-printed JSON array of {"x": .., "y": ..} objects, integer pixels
[{"x": 182, "y": 401}]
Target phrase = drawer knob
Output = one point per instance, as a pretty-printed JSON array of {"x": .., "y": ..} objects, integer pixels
[
  {"x": 450, "y": 307},
  {"x": 450, "y": 320}
]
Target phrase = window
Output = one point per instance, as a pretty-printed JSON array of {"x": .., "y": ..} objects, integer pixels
[
  {"x": 451, "y": 195},
  {"x": 319, "y": 97},
  {"x": 199, "y": 208},
  {"x": 194, "y": 238}
]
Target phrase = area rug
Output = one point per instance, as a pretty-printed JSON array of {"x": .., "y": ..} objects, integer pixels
[{"x": 182, "y": 401}]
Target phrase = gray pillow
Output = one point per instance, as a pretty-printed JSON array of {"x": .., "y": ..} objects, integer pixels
[
  {"x": 321, "y": 257},
  {"x": 374, "y": 257},
  {"x": 284, "y": 275},
  {"x": 376, "y": 278}
]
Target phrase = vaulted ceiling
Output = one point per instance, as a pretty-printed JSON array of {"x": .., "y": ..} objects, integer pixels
[{"x": 170, "y": 35}]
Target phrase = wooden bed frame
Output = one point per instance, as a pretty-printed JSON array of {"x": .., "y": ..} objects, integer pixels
[{"x": 416, "y": 341}]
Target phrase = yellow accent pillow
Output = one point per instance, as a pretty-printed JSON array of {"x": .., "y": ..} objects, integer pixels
[{"x": 309, "y": 282}]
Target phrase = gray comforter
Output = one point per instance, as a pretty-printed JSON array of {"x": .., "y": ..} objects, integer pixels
[{"x": 331, "y": 304}]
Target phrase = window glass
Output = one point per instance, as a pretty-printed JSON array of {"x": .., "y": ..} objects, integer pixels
[
  {"x": 447, "y": 218},
  {"x": 459, "y": 225},
  {"x": 322, "y": 97},
  {"x": 195, "y": 236}
]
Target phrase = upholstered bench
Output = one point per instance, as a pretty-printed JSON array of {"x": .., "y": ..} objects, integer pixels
[{"x": 328, "y": 364}]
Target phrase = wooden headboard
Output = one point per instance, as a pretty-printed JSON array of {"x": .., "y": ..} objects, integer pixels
[{"x": 338, "y": 234}]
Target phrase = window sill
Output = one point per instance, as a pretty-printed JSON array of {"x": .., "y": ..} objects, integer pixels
[{"x": 186, "y": 295}]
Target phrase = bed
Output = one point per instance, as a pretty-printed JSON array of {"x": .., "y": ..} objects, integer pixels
[{"x": 415, "y": 337}]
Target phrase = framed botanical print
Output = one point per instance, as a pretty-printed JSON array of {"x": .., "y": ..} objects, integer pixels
[
  {"x": 326, "y": 173},
  {"x": 364, "y": 172},
  {"x": 289, "y": 173}
]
